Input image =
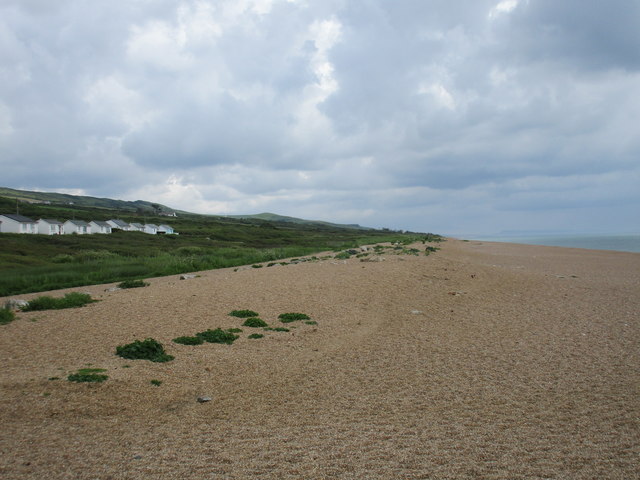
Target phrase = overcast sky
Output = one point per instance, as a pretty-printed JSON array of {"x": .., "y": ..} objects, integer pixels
[{"x": 449, "y": 116}]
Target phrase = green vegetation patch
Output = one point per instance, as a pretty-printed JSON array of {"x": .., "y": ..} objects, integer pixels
[
  {"x": 254, "y": 322},
  {"x": 217, "y": 336},
  {"x": 88, "y": 375},
  {"x": 6, "y": 316},
  {"x": 70, "y": 300},
  {"x": 255, "y": 335},
  {"x": 293, "y": 317},
  {"x": 156, "y": 383},
  {"x": 133, "y": 284},
  {"x": 311, "y": 322},
  {"x": 243, "y": 313},
  {"x": 234, "y": 330},
  {"x": 148, "y": 349},
  {"x": 189, "y": 340},
  {"x": 277, "y": 329}
]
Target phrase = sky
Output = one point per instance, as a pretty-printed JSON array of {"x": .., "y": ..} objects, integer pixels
[{"x": 466, "y": 117}]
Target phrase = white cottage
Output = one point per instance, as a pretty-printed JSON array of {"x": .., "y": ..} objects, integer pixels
[
  {"x": 165, "y": 229},
  {"x": 150, "y": 228},
  {"x": 119, "y": 225},
  {"x": 10, "y": 223},
  {"x": 99, "y": 227},
  {"x": 48, "y": 226},
  {"x": 79, "y": 227},
  {"x": 137, "y": 227}
]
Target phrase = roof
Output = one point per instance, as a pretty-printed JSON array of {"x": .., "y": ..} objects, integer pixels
[
  {"x": 165, "y": 227},
  {"x": 120, "y": 223},
  {"x": 150, "y": 225},
  {"x": 18, "y": 218},
  {"x": 137, "y": 225},
  {"x": 79, "y": 223},
  {"x": 51, "y": 221},
  {"x": 100, "y": 223}
]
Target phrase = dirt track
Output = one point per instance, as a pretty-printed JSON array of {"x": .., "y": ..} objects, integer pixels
[{"x": 522, "y": 363}]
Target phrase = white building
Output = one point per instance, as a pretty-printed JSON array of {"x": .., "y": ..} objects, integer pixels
[
  {"x": 48, "y": 226},
  {"x": 165, "y": 229},
  {"x": 79, "y": 227},
  {"x": 150, "y": 228},
  {"x": 10, "y": 223},
  {"x": 99, "y": 227},
  {"x": 137, "y": 227},
  {"x": 119, "y": 225}
]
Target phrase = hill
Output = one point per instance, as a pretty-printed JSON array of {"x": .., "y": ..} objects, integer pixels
[
  {"x": 63, "y": 199},
  {"x": 274, "y": 217}
]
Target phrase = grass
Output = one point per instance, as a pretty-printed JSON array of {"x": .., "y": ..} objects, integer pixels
[
  {"x": 6, "y": 316},
  {"x": 234, "y": 330},
  {"x": 148, "y": 349},
  {"x": 156, "y": 383},
  {"x": 217, "y": 336},
  {"x": 254, "y": 322},
  {"x": 293, "y": 317},
  {"x": 243, "y": 313},
  {"x": 255, "y": 335},
  {"x": 311, "y": 322},
  {"x": 133, "y": 284},
  {"x": 189, "y": 340},
  {"x": 70, "y": 300}
]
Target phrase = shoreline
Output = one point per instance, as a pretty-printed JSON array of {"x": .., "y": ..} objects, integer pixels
[{"x": 484, "y": 359}]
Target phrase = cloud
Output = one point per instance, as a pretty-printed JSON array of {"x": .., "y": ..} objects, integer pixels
[{"x": 478, "y": 116}]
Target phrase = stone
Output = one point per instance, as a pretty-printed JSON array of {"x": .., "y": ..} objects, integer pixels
[
  {"x": 15, "y": 304},
  {"x": 187, "y": 276},
  {"x": 416, "y": 312},
  {"x": 204, "y": 399}
]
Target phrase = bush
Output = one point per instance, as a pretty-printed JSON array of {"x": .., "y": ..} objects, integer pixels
[
  {"x": 70, "y": 300},
  {"x": 256, "y": 335},
  {"x": 311, "y": 322},
  {"x": 6, "y": 316},
  {"x": 243, "y": 313},
  {"x": 292, "y": 317},
  {"x": 157, "y": 383},
  {"x": 277, "y": 329},
  {"x": 234, "y": 330},
  {"x": 217, "y": 336},
  {"x": 189, "y": 340},
  {"x": 342, "y": 256},
  {"x": 149, "y": 349},
  {"x": 254, "y": 322},
  {"x": 133, "y": 284}
]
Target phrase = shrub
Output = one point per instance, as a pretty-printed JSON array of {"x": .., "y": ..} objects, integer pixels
[
  {"x": 70, "y": 300},
  {"x": 149, "y": 349},
  {"x": 133, "y": 284},
  {"x": 6, "y": 316},
  {"x": 217, "y": 336},
  {"x": 292, "y": 317},
  {"x": 257, "y": 265},
  {"x": 157, "y": 383},
  {"x": 311, "y": 322},
  {"x": 343, "y": 256},
  {"x": 234, "y": 330},
  {"x": 256, "y": 335},
  {"x": 277, "y": 329},
  {"x": 254, "y": 322},
  {"x": 189, "y": 340},
  {"x": 243, "y": 313}
]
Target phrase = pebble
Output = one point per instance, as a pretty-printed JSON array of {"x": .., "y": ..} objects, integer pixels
[{"x": 204, "y": 399}]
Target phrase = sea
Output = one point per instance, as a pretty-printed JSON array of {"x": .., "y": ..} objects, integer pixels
[{"x": 622, "y": 243}]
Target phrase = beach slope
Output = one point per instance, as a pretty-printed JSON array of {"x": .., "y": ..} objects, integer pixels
[{"x": 482, "y": 360}]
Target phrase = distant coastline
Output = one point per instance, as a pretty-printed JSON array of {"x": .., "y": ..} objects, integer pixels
[{"x": 622, "y": 243}]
